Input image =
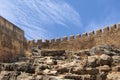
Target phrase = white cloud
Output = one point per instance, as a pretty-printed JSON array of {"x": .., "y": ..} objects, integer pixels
[{"x": 35, "y": 16}]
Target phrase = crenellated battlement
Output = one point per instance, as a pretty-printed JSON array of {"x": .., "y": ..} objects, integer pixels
[
  {"x": 101, "y": 36},
  {"x": 78, "y": 36},
  {"x": 92, "y": 33},
  {"x": 58, "y": 40},
  {"x": 98, "y": 32},
  {"x": 113, "y": 27},
  {"x": 106, "y": 30}
]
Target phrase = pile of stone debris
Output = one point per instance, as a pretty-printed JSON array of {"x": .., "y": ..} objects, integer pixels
[{"x": 99, "y": 63}]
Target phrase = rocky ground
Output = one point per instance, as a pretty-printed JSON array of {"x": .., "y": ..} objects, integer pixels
[{"x": 99, "y": 63}]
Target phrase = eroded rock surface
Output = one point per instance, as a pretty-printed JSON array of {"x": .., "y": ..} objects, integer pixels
[{"x": 99, "y": 63}]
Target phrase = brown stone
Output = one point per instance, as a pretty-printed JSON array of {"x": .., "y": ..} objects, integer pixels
[
  {"x": 52, "y": 52},
  {"x": 92, "y": 61},
  {"x": 92, "y": 71},
  {"x": 105, "y": 68},
  {"x": 116, "y": 68},
  {"x": 105, "y": 60},
  {"x": 113, "y": 76},
  {"x": 62, "y": 70},
  {"x": 79, "y": 71}
]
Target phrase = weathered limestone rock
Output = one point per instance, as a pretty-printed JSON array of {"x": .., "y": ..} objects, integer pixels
[
  {"x": 43, "y": 67},
  {"x": 92, "y": 61},
  {"x": 62, "y": 70},
  {"x": 14, "y": 75},
  {"x": 113, "y": 76},
  {"x": 105, "y": 68},
  {"x": 5, "y": 75},
  {"x": 116, "y": 68},
  {"x": 79, "y": 71},
  {"x": 80, "y": 77},
  {"x": 116, "y": 60},
  {"x": 63, "y": 67},
  {"x": 26, "y": 67},
  {"x": 46, "y": 71},
  {"x": 92, "y": 71},
  {"x": 105, "y": 60},
  {"x": 74, "y": 77},
  {"x": 51, "y": 62},
  {"x": 39, "y": 77},
  {"x": 52, "y": 52},
  {"x": 53, "y": 73},
  {"x": 105, "y": 49},
  {"x": 9, "y": 66},
  {"x": 85, "y": 52},
  {"x": 101, "y": 76},
  {"x": 24, "y": 76}
]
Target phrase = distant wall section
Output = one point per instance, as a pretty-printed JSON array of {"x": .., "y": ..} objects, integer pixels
[{"x": 108, "y": 35}]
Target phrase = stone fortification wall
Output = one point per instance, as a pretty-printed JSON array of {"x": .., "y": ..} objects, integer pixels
[
  {"x": 108, "y": 35},
  {"x": 11, "y": 41}
]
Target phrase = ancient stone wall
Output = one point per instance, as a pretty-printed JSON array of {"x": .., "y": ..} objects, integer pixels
[
  {"x": 11, "y": 41},
  {"x": 108, "y": 35}
]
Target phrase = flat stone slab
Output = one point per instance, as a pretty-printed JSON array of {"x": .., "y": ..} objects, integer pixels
[{"x": 52, "y": 52}]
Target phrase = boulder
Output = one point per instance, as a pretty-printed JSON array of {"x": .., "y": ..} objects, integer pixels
[
  {"x": 105, "y": 49},
  {"x": 43, "y": 67},
  {"x": 86, "y": 52},
  {"x": 46, "y": 71},
  {"x": 116, "y": 68},
  {"x": 105, "y": 68},
  {"x": 5, "y": 75},
  {"x": 92, "y": 71},
  {"x": 9, "y": 66},
  {"x": 116, "y": 60},
  {"x": 78, "y": 70},
  {"x": 24, "y": 76},
  {"x": 14, "y": 75},
  {"x": 53, "y": 73},
  {"x": 101, "y": 76},
  {"x": 62, "y": 70},
  {"x": 26, "y": 67},
  {"x": 92, "y": 61},
  {"x": 105, "y": 60},
  {"x": 113, "y": 76},
  {"x": 39, "y": 77},
  {"x": 51, "y": 62}
]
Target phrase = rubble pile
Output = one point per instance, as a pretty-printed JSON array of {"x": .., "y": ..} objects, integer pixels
[{"x": 99, "y": 63}]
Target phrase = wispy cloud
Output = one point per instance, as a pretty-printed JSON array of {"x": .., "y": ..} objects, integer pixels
[{"x": 35, "y": 17}]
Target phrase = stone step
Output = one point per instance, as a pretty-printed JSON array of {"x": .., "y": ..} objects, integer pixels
[
  {"x": 80, "y": 77},
  {"x": 90, "y": 71},
  {"x": 52, "y": 52}
]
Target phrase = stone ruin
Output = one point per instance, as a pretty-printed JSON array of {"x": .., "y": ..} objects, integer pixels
[
  {"x": 108, "y": 35},
  {"x": 12, "y": 41},
  {"x": 91, "y": 56}
]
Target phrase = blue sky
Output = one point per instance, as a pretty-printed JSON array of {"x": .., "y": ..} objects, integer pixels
[{"x": 47, "y": 19}]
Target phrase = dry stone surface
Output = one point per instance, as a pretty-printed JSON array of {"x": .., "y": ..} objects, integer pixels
[{"x": 65, "y": 65}]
